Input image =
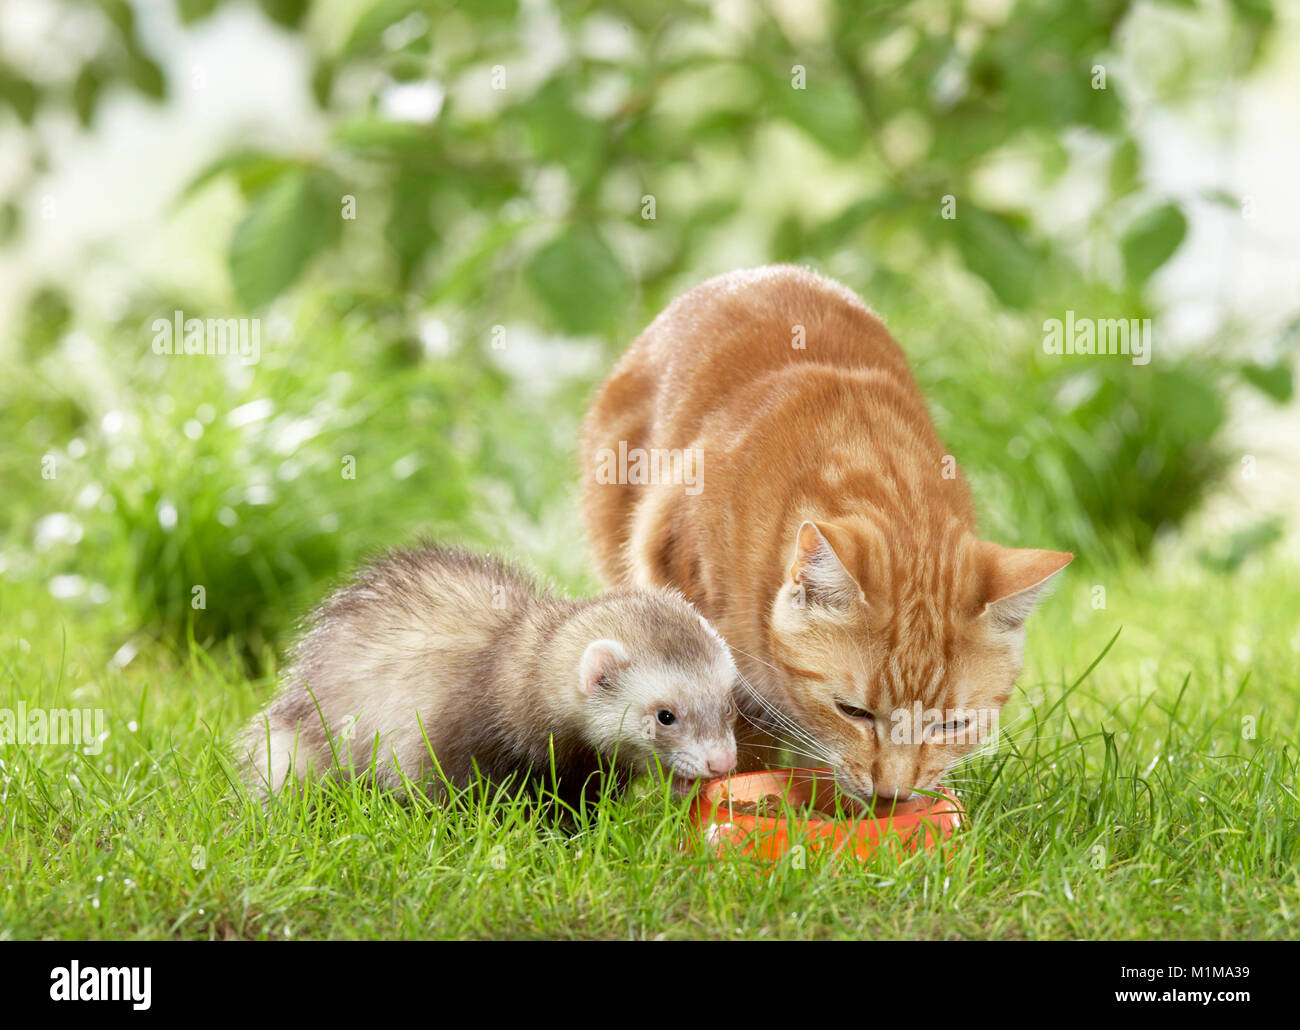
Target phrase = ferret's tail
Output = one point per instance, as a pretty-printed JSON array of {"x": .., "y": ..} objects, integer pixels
[{"x": 273, "y": 753}]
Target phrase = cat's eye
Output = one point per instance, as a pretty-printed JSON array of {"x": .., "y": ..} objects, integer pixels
[
  {"x": 853, "y": 712},
  {"x": 665, "y": 717},
  {"x": 944, "y": 728}
]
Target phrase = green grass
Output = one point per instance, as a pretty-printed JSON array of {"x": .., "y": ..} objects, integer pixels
[{"x": 1127, "y": 803}]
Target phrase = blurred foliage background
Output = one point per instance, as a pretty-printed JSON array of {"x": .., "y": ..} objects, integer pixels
[{"x": 531, "y": 182}]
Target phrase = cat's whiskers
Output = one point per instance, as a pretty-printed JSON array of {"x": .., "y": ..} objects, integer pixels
[
  {"x": 753, "y": 657},
  {"x": 807, "y": 743},
  {"x": 774, "y": 734},
  {"x": 782, "y": 722},
  {"x": 1005, "y": 738},
  {"x": 767, "y": 704},
  {"x": 771, "y": 709},
  {"x": 785, "y": 749},
  {"x": 808, "y": 749},
  {"x": 966, "y": 787},
  {"x": 983, "y": 750},
  {"x": 1000, "y": 738}
]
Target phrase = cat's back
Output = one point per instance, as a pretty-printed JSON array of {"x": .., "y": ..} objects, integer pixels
[
  {"x": 728, "y": 370},
  {"x": 716, "y": 340}
]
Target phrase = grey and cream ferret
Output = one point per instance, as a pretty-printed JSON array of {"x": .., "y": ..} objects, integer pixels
[{"x": 470, "y": 653}]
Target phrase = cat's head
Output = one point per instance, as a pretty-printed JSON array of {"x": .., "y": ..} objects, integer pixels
[{"x": 901, "y": 647}]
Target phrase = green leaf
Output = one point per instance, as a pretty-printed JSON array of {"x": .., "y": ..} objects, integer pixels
[
  {"x": 409, "y": 228},
  {"x": 1054, "y": 158},
  {"x": 849, "y": 222},
  {"x": 1152, "y": 240},
  {"x": 287, "y": 224},
  {"x": 118, "y": 12},
  {"x": 560, "y": 133},
  {"x": 827, "y": 110},
  {"x": 146, "y": 75},
  {"x": 994, "y": 249},
  {"x": 288, "y": 13},
  {"x": 1125, "y": 163},
  {"x": 1185, "y": 405},
  {"x": 368, "y": 30},
  {"x": 322, "y": 81},
  {"x": 10, "y": 221},
  {"x": 1229, "y": 555},
  {"x": 464, "y": 277},
  {"x": 85, "y": 93},
  {"x": 1255, "y": 10},
  {"x": 18, "y": 92},
  {"x": 252, "y": 170},
  {"x": 370, "y": 134},
  {"x": 195, "y": 10},
  {"x": 579, "y": 279},
  {"x": 1274, "y": 381},
  {"x": 1222, "y": 197}
]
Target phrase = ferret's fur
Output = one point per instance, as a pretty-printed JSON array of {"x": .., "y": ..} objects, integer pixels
[{"x": 470, "y": 653}]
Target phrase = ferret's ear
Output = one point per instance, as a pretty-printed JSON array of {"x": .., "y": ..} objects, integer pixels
[
  {"x": 818, "y": 570},
  {"x": 601, "y": 660},
  {"x": 1015, "y": 580}
]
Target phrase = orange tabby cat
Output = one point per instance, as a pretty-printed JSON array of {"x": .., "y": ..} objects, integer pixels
[{"x": 764, "y": 448}]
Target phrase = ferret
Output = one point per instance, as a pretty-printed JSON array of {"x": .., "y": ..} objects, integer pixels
[{"x": 470, "y": 653}]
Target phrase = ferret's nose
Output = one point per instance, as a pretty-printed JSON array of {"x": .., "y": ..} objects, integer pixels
[{"x": 720, "y": 761}]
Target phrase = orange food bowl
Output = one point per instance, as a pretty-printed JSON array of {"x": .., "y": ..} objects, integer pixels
[{"x": 750, "y": 813}]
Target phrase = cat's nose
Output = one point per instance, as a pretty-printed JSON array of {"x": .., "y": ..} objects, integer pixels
[
  {"x": 892, "y": 794},
  {"x": 720, "y": 761}
]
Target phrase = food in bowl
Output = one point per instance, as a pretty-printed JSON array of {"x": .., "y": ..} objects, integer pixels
[{"x": 767, "y": 813}]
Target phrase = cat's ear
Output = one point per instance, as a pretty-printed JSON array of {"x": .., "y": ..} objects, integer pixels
[
  {"x": 1016, "y": 579},
  {"x": 818, "y": 573},
  {"x": 601, "y": 660}
]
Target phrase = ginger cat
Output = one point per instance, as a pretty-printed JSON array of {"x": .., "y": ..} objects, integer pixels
[{"x": 764, "y": 448}]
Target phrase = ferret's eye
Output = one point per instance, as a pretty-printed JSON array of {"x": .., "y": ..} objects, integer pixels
[
  {"x": 853, "y": 712},
  {"x": 665, "y": 717}
]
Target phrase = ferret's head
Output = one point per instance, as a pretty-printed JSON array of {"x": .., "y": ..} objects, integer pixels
[{"x": 663, "y": 687}]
